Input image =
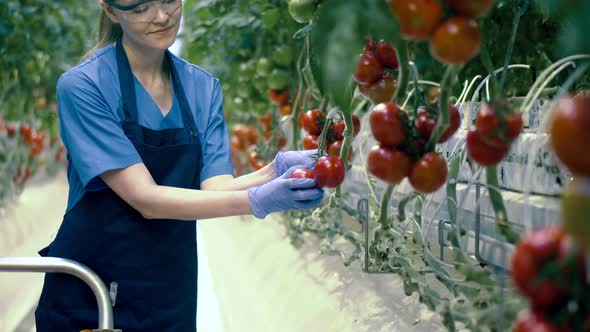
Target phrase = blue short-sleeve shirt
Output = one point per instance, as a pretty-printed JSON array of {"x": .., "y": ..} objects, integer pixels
[{"x": 91, "y": 118}]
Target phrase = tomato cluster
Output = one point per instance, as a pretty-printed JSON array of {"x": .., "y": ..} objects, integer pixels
[
  {"x": 374, "y": 71},
  {"x": 497, "y": 125},
  {"x": 34, "y": 139},
  {"x": 281, "y": 99},
  {"x": 549, "y": 269},
  {"x": 243, "y": 136},
  {"x": 453, "y": 40},
  {"x": 36, "y": 142},
  {"x": 313, "y": 122},
  {"x": 329, "y": 171},
  {"x": 244, "y": 139},
  {"x": 401, "y": 150}
]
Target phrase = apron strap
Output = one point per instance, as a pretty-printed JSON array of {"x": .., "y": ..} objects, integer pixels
[
  {"x": 187, "y": 117},
  {"x": 127, "y": 88}
]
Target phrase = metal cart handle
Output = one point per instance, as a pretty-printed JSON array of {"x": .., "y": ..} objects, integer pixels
[{"x": 61, "y": 265}]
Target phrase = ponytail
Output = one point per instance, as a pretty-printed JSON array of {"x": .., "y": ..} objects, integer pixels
[{"x": 108, "y": 32}]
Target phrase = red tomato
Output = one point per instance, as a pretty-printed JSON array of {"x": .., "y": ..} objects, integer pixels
[
  {"x": 368, "y": 69},
  {"x": 303, "y": 173},
  {"x": 339, "y": 127},
  {"x": 236, "y": 143},
  {"x": 247, "y": 134},
  {"x": 387, "y": 164},
  {"x": 253, "y": 135},
  {"x": 25, "y": 131},
  {"x": 266, "y": 121},
  {"x": 329, "y": 171},
  {"x": 300, "y": 118},
  {"x": 498, "y": 124},
  {"x": 281, "y": 142},
  {"x": 338, "y": 130},
  {"x": 388, "y": 124},
  {"x": 531, "y": 254},
  {"x": 482, "y": 152},
  {"x": 356, "y": 125},
  {"x": 429, "y": 173},
  {"x": 425, "y": 124},
  {"x": 569, "y": 131},
  {"x": 456, "y": 41},
  {"x": 470, "y": 8},
  {"x": 313, "y": 121},
  {"x": 380, "y": 91},
  {"x": 417, "y": 18},
  {"x": 278, "y": 97},
  {"x": 387, "y": 55},
  {"x": 10, "y": 130},
  {"x": 531, "y": 321},
  {"x": 286, "y": 109},
  {"x": 310, "y": 142},
  {"x": 335, "y": 148},
  {"x": 255, "y": 160}
]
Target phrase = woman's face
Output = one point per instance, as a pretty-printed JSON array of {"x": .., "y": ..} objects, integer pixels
[{"x": 153, "y": 24}]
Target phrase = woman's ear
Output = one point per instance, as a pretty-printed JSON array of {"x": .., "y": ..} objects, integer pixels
[{"x": 109, "y": 11}]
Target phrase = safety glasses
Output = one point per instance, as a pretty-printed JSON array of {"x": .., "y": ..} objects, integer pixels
[{"x": 145, "y": 11}]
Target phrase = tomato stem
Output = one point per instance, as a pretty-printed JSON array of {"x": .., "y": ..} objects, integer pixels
[
  {"x": 383, "y": 220},
  {"x": 486, "y": 60},
  {"x": 296, "y": 107},
  {"x": 444, "y": 117},
  {"x": 401, "y": 46},
  {"x": 519, "y": 11},
  {"x": 417, "y": 91},
  {"x": 348, "y": 137},
  {"x": 401, "y": 207},
  {"x": 452, "y": 197},
  {"x": 502, "y": 222}
]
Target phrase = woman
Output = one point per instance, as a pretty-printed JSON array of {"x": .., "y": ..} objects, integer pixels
[{"x": 148, "y": 153}]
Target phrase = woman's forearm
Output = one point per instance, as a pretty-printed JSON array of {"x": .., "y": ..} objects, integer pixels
[
  {"x": 162, "y": 202},
  {"x": 228, "y": 183}
]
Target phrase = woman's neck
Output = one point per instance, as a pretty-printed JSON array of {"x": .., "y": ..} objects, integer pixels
[{"x": 146, "y": 64}]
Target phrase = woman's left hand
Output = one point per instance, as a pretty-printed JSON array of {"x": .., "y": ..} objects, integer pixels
[{"x": 287, "y": 159}]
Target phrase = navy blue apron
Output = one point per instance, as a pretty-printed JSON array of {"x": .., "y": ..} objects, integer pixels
[{"x": 152, "y": 263}]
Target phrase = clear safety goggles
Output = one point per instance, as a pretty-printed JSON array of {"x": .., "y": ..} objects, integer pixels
[{"x": 145, "y": 11}]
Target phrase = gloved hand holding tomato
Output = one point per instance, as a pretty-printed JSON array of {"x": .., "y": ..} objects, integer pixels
[{"x": 283, "y": 194}]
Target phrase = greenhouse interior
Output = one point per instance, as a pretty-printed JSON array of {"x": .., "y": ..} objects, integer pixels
[{"x": 294, "y": 165}]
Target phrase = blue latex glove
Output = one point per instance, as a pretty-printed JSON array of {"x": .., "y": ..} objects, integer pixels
[
  {"x": 282, "y": 194},
  {"x": 287, "y": 159}
]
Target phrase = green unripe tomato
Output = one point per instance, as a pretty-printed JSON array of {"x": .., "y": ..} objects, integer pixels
[
  {"x": 263, "y": 67},
  {"x": 283, "y": 55},
  {"x": 302, "y": 11},
  {"x": 247, "y": 70},
  {"x": 278, "y": 79}
]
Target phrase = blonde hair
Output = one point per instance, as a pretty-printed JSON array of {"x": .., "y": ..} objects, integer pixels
[{"x": 108, "y": 32}]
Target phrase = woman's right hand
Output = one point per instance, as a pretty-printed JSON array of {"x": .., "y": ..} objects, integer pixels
[{"x": 283, "y": 193}]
